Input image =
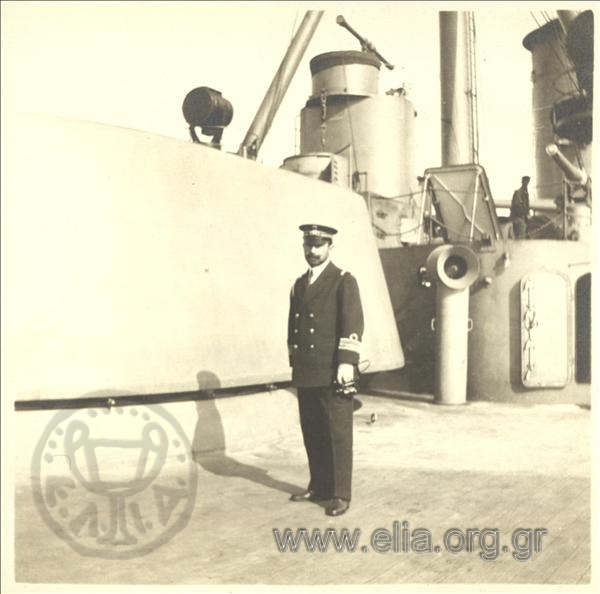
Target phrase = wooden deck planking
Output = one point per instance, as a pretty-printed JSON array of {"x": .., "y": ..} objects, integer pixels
[{"x": 244, "y": 495}]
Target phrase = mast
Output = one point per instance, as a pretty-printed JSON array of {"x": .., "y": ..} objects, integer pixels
[
  {"x": 270, "y": 104},
  {"x": 472, "y": 92},
  {"x": 458, "y": 88}
]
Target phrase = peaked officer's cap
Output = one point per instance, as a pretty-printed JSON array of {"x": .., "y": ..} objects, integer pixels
[{"x": 317, "y": 234}]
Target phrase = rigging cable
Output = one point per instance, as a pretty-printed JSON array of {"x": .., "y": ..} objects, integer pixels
[{"x": 567, "y": 68}]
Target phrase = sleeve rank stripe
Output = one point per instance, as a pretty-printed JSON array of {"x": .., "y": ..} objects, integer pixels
[{"x": 349, "y": 344}]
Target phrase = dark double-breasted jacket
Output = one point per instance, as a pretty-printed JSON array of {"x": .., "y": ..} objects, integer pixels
[{"x": 325, "y": 326}]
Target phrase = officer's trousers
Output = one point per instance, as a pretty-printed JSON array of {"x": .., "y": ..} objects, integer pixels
[{"x": 326, "y": 421}]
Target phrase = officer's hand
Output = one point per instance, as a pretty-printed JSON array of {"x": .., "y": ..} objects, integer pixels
[{"x": 345, "y": 373}]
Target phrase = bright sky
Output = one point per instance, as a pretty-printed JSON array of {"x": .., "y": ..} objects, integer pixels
[{"x": 132, "y": 63}]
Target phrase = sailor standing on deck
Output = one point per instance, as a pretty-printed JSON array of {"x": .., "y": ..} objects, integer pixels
[
  {"x": 519, "y": 209},
  {"x": 325, "y": 328}
]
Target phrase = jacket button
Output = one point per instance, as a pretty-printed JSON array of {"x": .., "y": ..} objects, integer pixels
[
  {"x": 312, "y": 330},
  {"x": 312, "y": 346},
  {"x": 297, "y": 315},
  {"x": 295, "y": 330},
  {"x": 311, "y": 315},
  {"x": 295, "y": 346}
]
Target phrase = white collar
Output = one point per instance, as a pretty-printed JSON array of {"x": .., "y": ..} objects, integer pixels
[{"x": 317, "y": 270}]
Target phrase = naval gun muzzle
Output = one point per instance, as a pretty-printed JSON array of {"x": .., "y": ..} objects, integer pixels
[
  {"x": 454, "y": 268},
  {"x": 571, "y": 172}
]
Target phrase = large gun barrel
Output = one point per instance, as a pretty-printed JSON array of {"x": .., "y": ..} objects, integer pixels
[{"x": 571, "y": 172}]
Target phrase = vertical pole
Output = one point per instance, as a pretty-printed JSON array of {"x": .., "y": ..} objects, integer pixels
[
  {"x": 564, "y": 208},
  {"x": 474, "y": 211},
  {"x": 472, "y": 82},
  {"x": 457, "y": 92},
  {"x": 424, "y": 195},
  {"x": 452, "y": 318}
]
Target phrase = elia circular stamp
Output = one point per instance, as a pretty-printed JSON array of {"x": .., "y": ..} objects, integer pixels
[{"x": 116, "y": 482}]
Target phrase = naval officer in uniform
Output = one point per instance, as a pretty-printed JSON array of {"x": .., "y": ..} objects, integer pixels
[{"x": 325, "y": 328}]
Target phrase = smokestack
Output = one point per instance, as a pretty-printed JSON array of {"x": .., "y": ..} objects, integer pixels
[
  {"x": 566, "y": 17},
  {"x": 553, "y": 81}
]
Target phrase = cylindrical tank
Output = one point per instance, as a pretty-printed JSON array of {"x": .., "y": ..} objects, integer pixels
[
  {"x": 323, "y": 166},
  {"x": 345, "y": 73},
  {"x": 346, "y": 117},
  {"x": 553, "y": 79}
]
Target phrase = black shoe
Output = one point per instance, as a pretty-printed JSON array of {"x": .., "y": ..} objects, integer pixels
[
  {"x": 307, "y": 495},
  {"x": 337, "y": 507}
]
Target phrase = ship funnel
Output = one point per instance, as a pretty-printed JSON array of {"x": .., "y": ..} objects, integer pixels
[
  {"x": 347, "y": 117},
  {"x": 570, "y": 171},
  {"x": 562, "y": 81},
  {"x": 566, "y": 17}
]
